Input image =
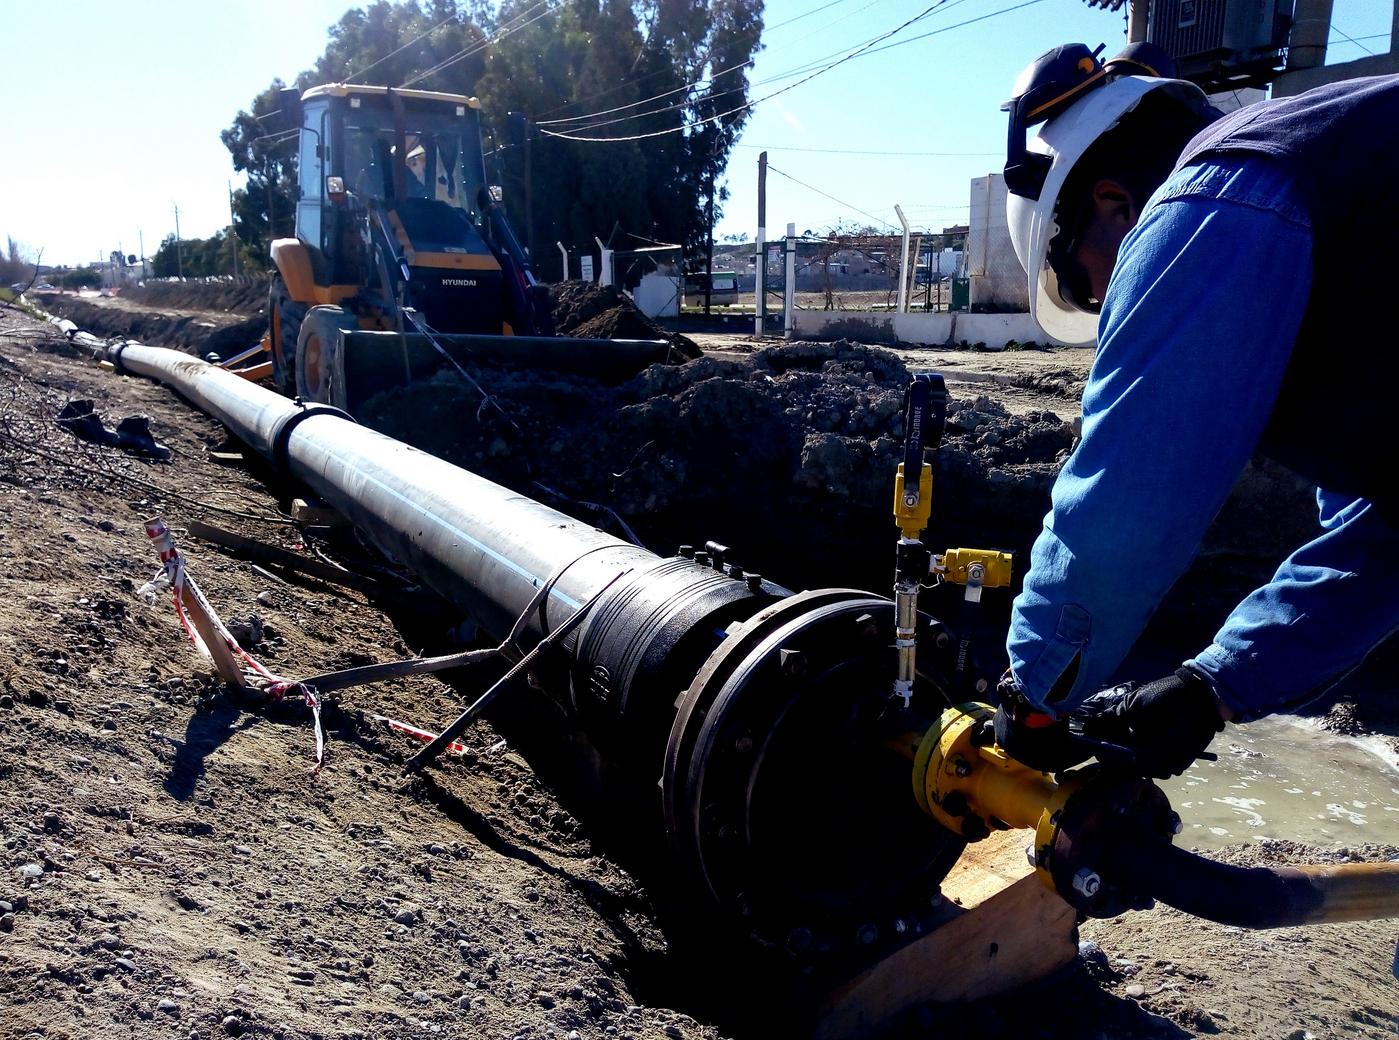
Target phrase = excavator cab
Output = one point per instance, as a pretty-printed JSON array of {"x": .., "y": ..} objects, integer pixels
[{"x": 396, "y": 233}]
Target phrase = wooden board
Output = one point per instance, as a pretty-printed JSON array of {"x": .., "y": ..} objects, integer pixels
[{"x": 1014, "y": 931}]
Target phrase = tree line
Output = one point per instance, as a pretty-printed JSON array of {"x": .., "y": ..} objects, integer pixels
[{"x": 581, "y": 58}]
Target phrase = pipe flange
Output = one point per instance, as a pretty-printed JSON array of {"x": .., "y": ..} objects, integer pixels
[
  {"x": 778, "y": 789},
  {"x": 281, "y": 433}
]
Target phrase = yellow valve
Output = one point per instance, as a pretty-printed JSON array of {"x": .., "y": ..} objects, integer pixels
[
  {"x": 912, "y": 509},
  {"x": 973, "y": 788},
  {"x": 956, "y": 565}
]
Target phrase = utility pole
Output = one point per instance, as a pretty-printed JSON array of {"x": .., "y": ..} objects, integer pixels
[
  {"x": 760, "y": 286},
  {"x": 179, "y": 257},
  {"x": 232, "y": 234},
  {"x": 709, "y": 256}
]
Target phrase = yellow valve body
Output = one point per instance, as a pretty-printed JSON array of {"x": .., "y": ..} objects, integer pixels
[
  {"x": 912, "y": 519},
  {"x": 996, "y": 566},
  {"x": 972, "y": 788}
]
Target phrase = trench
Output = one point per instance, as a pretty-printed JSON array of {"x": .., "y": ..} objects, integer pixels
[{"x": 787, "y": 456}]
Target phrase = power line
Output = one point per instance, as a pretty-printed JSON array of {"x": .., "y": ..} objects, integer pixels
[
  {"x": 1352, "y": 39},
  {"x": 514, "y": 25},
  {"x": 863, "y": 151},
  {"x": 646, "y": 101},
  {"x": 660, "y": 72},
  {"x": 799, "y": 70},
  {"x": 805, "y": 14},
  {"x": 744, "y": 107},
  {"x": 817, "y": 62},
  {"x": 451, "y": 18},
  {"x": 703, "y": 79},
  {"x": 818, "y": 191}
]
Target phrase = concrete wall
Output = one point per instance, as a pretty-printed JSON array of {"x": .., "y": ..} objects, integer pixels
[
  {"x": 997, "y": 280},
  {"x": 994, "y": 330}
]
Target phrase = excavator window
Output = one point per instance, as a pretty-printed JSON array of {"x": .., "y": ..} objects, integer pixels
[{"x": 437, "y": 165}]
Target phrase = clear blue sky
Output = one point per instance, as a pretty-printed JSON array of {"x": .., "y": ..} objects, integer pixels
[{"x": 113, "y": 111}]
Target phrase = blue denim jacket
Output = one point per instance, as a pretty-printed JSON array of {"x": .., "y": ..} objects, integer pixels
[{"x": 1196, "y": 332}]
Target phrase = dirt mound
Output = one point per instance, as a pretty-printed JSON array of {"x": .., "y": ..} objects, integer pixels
[
  {"x": 788, "y": 456},
  {"x": 602, "y": 312},
  {"x": 198, "y": 332},
  {"x": 795, "y": 437},
  {"x": 245, "y": 295}
]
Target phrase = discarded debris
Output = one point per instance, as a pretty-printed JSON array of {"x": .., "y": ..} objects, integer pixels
[{"x": 132, "y": 433}]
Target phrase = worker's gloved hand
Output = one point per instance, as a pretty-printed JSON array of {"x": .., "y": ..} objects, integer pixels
[
  {"x": 1158, "y": 729},
  {"x": 1032, "y": 737}
]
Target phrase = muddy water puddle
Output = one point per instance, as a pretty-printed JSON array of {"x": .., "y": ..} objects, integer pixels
[{"x": 1286, "y": 777}]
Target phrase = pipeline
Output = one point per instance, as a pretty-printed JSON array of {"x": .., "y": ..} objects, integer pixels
[
  {"x": 751, "y": 704},
  {"x": 765, "y": 714}
]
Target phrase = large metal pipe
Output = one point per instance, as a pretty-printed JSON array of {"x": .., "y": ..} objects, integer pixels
[
  {"x": 758, "y": 709},
  {"x": 480, "y": 545}
]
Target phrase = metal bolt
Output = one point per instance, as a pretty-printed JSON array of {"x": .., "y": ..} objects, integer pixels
[
  {"x": 910, "y": 499},
  {"x": 735, "y": 572},
  {"x": 687, "y": 551},
  {"x": 1087, "y": 882},
  {"x": 743, "y": 744},
  {"x": 900, "y": 926},
  {"x": 1030, "y": 856},
  {"x": 962, "y": 767},
  {"x": 793, "y": 662},
  {"x": 702, "y": 558},
  {"x": 943, "y": 639},
  {"x": 755, "y": 581},
  {"x": 981, "y": 685},
  {"x": 867, "y": 934},
  {"x": 976, "y": 572},
  {"x": 1173, "y": 822}
]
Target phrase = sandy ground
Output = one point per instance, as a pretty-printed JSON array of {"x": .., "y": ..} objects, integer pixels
[{"x": 173, "y": 868}]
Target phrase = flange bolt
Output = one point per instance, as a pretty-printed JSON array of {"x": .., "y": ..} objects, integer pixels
[{"x": 1087, "y": 882}]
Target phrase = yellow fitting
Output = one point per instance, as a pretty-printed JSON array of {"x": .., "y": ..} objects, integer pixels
[
  {"x": 912, "y": 517},
  {"x": 955, "y": 564},
  {"x": 973, "y": 789}
]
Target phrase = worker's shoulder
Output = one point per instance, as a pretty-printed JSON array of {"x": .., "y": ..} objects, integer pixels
[{"x": 1257, "y": 182}]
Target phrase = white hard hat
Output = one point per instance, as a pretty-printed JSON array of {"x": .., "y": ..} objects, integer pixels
[{"x": 1048, "y": 158}]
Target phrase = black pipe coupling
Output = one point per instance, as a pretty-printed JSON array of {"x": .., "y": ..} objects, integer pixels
[{"x": 281, "y": 433}]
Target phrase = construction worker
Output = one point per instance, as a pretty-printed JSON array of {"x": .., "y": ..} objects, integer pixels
[
  {"x": 1229, "y": 267},
  {"x": 416, "y": 161}
]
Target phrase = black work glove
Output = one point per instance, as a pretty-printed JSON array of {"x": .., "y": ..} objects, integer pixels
[
  {"x": 1158, "y": 729},
  {"x": 1032, "y": 737}
]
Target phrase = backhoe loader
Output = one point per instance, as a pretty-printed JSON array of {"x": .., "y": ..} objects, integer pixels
[{"x": 403, "y": 259}]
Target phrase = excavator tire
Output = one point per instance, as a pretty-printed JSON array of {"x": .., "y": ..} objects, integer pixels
[
  {"x": 284, "y": 318},
  {"x": 320, "y": 369}
]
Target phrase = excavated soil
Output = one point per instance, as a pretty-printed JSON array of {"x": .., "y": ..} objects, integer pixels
[
  {"x": 173, "y": 867},
  {"x": 225, "y": 317}
]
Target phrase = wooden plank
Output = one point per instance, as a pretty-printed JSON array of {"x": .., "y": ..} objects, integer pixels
[
  {"x": 224, "y": 661},
  {"x": 1010, "y": 938},
  {"x": 304, "y": 512},
  {"x": 254, "y": 372},
  {"x": 259, "y": 552}
]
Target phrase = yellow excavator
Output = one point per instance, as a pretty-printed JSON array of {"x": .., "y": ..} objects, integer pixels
[{"x": 403, "y": 259}]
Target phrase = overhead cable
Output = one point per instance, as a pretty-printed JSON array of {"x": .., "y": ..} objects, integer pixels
[
  {"x": 744, "y": 107},
  {"x": 652, "y": 75},
  {"x": 514, "y": 25},
  {"x": 451, "y": 18},
  {"x": 710, "y": 79},
  {"x": 866, "y": 151},
  {"x": 818, "y": 191}
]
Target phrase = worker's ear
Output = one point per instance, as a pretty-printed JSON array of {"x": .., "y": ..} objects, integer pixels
[{"x": 1113, "y": 203}]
